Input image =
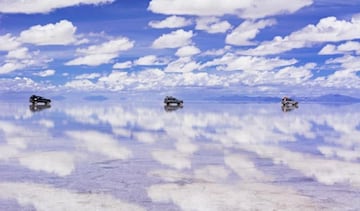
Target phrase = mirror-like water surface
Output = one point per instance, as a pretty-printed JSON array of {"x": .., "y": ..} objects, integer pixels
[{"x": 204, "y": 156}]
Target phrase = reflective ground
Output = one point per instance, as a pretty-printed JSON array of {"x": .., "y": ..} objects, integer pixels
[{"x": 122, "y": 155}]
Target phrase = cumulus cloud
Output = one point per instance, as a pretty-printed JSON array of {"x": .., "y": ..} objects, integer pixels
[
  {"x": 150, "y": 79},
  {"x": 187, "y": 51},
  {"x": 21, "y": 58},
  {"x": 174, "y": 39},
  {"x": 231, "y": 62},
  {"x": 8, "y": 42},
  {"x": 122, "y": 65},
  {"x": 217, "y": 52},
  {"x": 22, "y": 84},
  {"x": 43, "y": 6},
  {"x": 183, "y": 64},
  {"x": 81, "y": 84},
  {"x": 246, "y": 31},
  {"x": 143, "y": 80},
  {"x": 149, "y": 60},
  {"x": 345, "y": 76},
  {"x": 212, "y": 25},
  {"x": 345, "y": 48},
  {"x": 245, "y": 9},
  {"x": 88, "y": 76},
  {"x": 19, "y": 53},
  {"x": 171, "y": 22},
  {"x": 101, "y": 54},
  {"x": 61, "y": 33},
  {"x": 45, "y": 73},
  {"x": 327, "y": 30}
]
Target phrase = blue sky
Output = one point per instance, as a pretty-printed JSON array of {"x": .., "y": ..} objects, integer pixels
[{"x": 236, "y": 46}]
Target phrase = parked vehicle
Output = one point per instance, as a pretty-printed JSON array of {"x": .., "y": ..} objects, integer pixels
[
  {"x": 288, "y": 101},
  {"x": 172, "y": 100},
  {"x": 34, "y": 99}
]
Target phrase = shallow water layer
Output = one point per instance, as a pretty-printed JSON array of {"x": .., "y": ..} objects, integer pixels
[{"x": 123, "y": 155}]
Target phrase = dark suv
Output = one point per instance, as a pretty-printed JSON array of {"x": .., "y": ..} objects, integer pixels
[
  {"x": 37, "y": 99},
  {"x": 172, "y": 100}
]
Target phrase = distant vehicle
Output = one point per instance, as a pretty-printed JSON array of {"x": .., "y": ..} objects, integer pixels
[
  {"x": 172, "y": 100},
  {"x": 288, "y": 101},
  {"x": 34, "y": 99}
]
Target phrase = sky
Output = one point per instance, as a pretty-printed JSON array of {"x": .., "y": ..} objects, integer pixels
[{"x": 232, "y": 46}]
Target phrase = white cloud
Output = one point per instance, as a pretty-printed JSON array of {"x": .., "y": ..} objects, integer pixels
[
  {"x": 327, "y": 30},
  {"x": 143, "y": 80},
  {"x": 347, "y": 62},
  {"x": 8, "y": 42},
  {"x": 22, "y": 84},
  {"x": 294, "y": 75},
  {"x": 244, "y": 9},
  {"x": 61, "y": 33},
  {"x": 348, "y": 47},
  {"x": 183, "y": 64},
  {"x": 231, "y": 62},
  {"x": 212, "y": 25},
  {"x": 10, "y": 67},
  {"x": 122, "y": 65},
  {"x": 345, "y": 76},
  {"x": 149, "y": 60},
  {"x": 43, "y": 6},
  {"x": 81, "y": 84},
  {"x": 174, "y": 39},
  {"x": 21, "y": 58},
  {"x": 335, "y": 152},
  {"x": 88, "y": 76},
  {"x": 101, "y": 54},
  {"x": 150, "y": 79},
  {"x": 187, "y": 51},
  {"x": 171, "y": 22},
  {"x": 45, "y": 73},
  {"x": 217, "y": 52},
  {"x": 19, "y": 53},
  {"x": 246, "y": 31}
]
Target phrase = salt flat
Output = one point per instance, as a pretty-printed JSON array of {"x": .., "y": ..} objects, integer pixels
[{"x": 120, "y": 154}]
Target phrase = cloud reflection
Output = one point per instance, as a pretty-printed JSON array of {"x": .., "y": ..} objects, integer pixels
[
  {"x": 101, "y": 143},
  {"x": 45, "y": 197},
  {"x": 214, "y": 157}
]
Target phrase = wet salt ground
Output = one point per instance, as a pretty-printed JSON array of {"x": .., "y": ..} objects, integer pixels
[{"x": 120, "y": 155}]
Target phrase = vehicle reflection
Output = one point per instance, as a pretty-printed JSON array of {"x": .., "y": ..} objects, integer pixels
[
  {"x": 39, "y": 107},
  {"x": 170, "y": 107},
  {"x": 289, "y": 107}
]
